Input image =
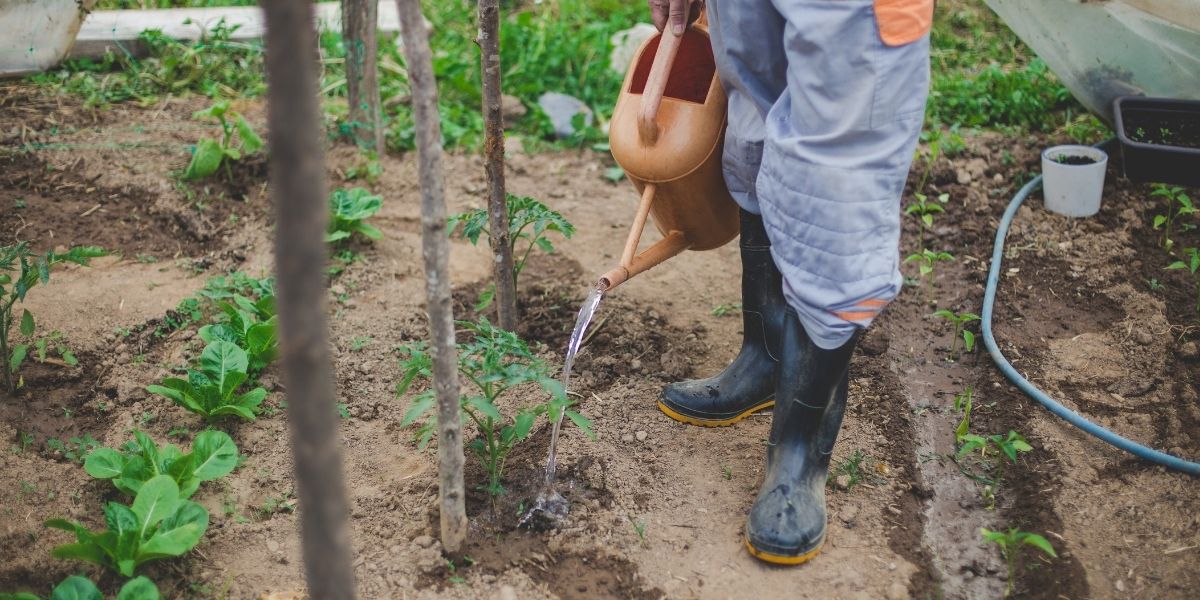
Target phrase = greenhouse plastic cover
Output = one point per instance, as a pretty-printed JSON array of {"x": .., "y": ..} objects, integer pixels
[{"x": 1102, "y": 49}]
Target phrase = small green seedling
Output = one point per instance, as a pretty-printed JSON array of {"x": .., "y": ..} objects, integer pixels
[
  {"x": 927, "y": 261},
  {"x": 213, "y": 455},
  {"x": 959, "y": 320},
  {"x": 210, "y": 154},
  {"x": 56, "y": 342},
  {"x": 251, "y": 325},
  {"x": 82, "y": 588},
  {"x": 851, "y": 467},
  {"x": 349, "y": 210},
  {"x": 924, "y": 210},
  {"x": 639, "y": 527},
  {"x": 1191, "y": 265},
  {"x": 1178, "y": 205},
  {"x": 158, "y": 525},
  {"x": 20, "y": 270},
  {"x": 1008, "y": 446},
  {"x": 727, "y": 310},
  {"x": 75, "y": 449},
  {"x": 494, "y": 361},
  {"x": 529, "y": 223},
  {"x": 964, "y": 403},
  {"x": 1011, "y": 543},
  {"x": 211, "y": 390}
]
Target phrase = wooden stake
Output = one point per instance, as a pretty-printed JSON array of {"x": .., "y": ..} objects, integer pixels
[
  {"x": 493, "y": 151},
  {"x": 297, "y": 173},
  {"x": 359, "y": 18},
  {"x": 435, "y": 250}
]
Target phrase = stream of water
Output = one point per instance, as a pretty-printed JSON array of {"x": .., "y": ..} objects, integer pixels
[{"x": 550, "y": 506}]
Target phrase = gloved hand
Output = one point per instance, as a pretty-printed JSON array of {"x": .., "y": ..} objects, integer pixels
[{"x": 675, "y": 12}]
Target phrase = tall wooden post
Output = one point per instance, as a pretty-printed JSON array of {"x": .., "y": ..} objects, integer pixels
[
  {"x": 297, "y": 173},
  {"x": 435, "y": 250},
  {"x": 359, "y": 26},
  {"x": 493, "y": 151}
]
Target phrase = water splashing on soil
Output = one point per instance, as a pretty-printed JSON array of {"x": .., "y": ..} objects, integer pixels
[{"x": 550, "y": 507}]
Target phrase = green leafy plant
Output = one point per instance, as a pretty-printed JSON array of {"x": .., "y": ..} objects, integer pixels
[
  {"x": 349, "y": 210},
  {"x": 1178, "y": 205},
  {"x": 493, "y": 362},
  {"x": 75, "y": 449},
  {"x": 726, "y": 310},
  {"x": 927, "y": 261},
  {"x": 1011, "y": 543},
  {"x": 209, "y": 155},
  {"x": 851, "y": 467},
  {"x": 20, "y": 270},
  {"x": 924, "y": 210},
  {"x": 159, "y": 524},
  {"x": 1006, "y": 446},
  {"x": 964, "y": 403},
  {"x": 252, "y": 326},
  {"x": 54, "y": 341},
  {"x": 959, "y": 320},
  {"x": 1191, "y": 265},
  {"x": 82, "y": 588},
  {"x": 213, "y": 456},
  {"x": 529, "y": 223},
  {"x": 212, "y": 390}
]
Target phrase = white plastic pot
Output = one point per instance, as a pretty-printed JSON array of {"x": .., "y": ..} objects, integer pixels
[{"x": 1073, "y": 190}]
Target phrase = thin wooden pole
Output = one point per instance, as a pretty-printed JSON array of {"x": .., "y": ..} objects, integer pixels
[
  {"x": 359, "y": 18},
  {"x": 297, "y": 177},
  {"x": 493, "y": 151},
  {"x": 435, "y": 250}
]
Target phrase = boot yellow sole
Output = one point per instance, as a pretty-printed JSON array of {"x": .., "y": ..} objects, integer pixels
[
  {"x": 779, "y": 559},
  {"x": 712, "y": 422}
]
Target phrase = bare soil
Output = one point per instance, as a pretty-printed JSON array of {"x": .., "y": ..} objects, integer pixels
[{"x": 1076, "y": 313}]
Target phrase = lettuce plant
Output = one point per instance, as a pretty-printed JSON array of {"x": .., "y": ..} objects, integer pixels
[
  {"x": 210, "y": 154},
  {"x": 213, "y": 456},
  {"x": 251, "y": 326},
  {"x": 494, "y": 362},
  {"x": 212, "y": 390},
  {"x": 20, "y": 270},
  {"x": 349, "y": 210},
  {"x": 82, "y": 588},
  {"x": 159, "y": 524}
]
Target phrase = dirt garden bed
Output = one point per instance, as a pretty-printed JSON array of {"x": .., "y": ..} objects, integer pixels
[{"x": 1085, "y": 310}]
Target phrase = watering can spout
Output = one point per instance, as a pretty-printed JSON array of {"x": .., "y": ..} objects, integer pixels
[{"x": 671, "y": 245}]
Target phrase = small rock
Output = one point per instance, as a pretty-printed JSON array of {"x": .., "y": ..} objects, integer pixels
[
  {"x": 1143, "y": 337},
  {"x": 272, "y": 546},
  {"x": 506, "y": 593},
  {"x": 636, "y": 365},
  {"x": 627, "y": 438},
  {"x": 423, "y": 541},
  {"x": 1120, "y": 585},
  {"x": 1189, "y": 351},
  {"x": 842, "y": 482},
  {"x": 124, "y": 357},
  {"x": 848, "y": 514},
  {"x": 641, "y": 436},
  {"x": 122, "y": 348},
  {"x": 561, "y": 109},
  {"x": 512, "y": 109},
  {"x": 897, "y": 591},
  {"x": 963, "y": 176}
]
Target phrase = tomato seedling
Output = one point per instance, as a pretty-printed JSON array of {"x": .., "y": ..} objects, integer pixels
[
  {"x": 924, "y": 210},
  {"x": 20, "y": 270},
  {"x": 1011, "y": 543},
  {"x": 210, "y": 154},
  {"x": 213, "y": 455},
  {"x": 959, "y": 320},
  {"x": 159, "y": 524},
  {"x": 494, "y": 362},
  {"x": 1178, "y": 205},
  {"x": 529, "y": 223},
  {"x": 927, "y": 261},
  {"x": 349, "y": 209}
]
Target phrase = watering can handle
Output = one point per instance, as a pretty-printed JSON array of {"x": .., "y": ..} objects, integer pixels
[{"x": 656, "y": 84}]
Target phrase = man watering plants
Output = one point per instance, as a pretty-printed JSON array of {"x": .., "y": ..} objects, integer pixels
[{"x": 826, "y": 100}]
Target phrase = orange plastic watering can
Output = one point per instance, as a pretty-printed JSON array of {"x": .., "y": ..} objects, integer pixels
[{"x": 667, "y": 131}]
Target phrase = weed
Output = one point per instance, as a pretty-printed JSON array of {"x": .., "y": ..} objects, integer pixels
[
  {"x": 494, "y": 362},
  {"x": 1178, "y": 205},
  {"x": 24, "y": 441},
  {"x": 56, "y": 342},
  {"x": 639, "y": 527},
  {"x": 529, "y": 223},
  {"x": 211, "y": 390},
  {"x": 20, "y": 270},
  {"x": 349, "y": 209},
  {"x": 964, "y": 403},
  {"x": 210, "y": 154},
  {"x": 359, "y": 342},
  {"x": 1011, "y": 543},
  {"x": 728, "y": 309},
  {"x": 959, "y": 320},
  {"x": 343, "y": 411},
  {"x": 726, "y": 472},
  {"x": 213, "y": 456},
  {"x": 851, "y": 467},
  {"x": 366, "y": 168},
  {"x": 159, "y": 524},
  {"x": 75, "y": 449},
  {"x": 1192, "y": 265}
]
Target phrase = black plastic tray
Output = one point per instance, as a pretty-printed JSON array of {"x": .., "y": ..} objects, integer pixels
[{"x": 1160, "y": 139}]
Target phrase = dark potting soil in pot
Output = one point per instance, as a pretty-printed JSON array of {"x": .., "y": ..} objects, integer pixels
[
  {"x": 1074, "y": 160},
  {"x": 1150, "y": 129}
]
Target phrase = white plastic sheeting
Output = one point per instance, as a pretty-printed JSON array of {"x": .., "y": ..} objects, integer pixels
[
  {"x": 36, "y": 34},
  {"x": 1102, "y": 49}
]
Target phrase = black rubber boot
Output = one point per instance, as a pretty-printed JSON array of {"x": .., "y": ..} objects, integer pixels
[
  {"x": 747, "y": 385},
  {"x": 787, "y": 522}
]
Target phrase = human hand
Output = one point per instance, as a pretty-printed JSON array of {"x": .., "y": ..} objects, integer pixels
[{"x": 678, "y": 13}]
